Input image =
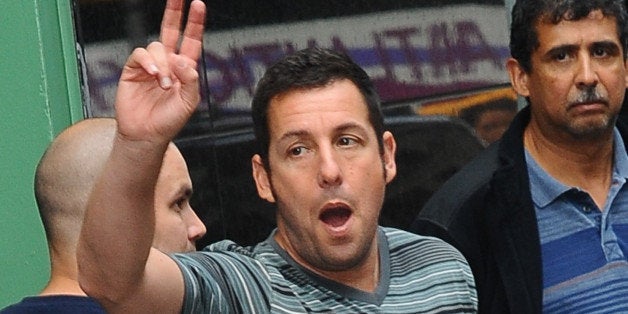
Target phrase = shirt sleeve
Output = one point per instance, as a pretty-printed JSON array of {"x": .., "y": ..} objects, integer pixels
[{"x": 223, "y": 282}]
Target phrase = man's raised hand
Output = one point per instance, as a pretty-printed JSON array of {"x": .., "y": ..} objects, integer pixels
[{"x": 158, "y": 90}]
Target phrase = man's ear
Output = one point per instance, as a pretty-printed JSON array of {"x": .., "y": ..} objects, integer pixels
[
  {"x": 388, "y": 158},
  {"x": 262, "y": 181},
  {"x": 518, "y": 77}
]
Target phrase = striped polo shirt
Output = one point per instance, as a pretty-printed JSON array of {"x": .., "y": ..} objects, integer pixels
[
  {"x": 583, "y": 247},
  {"x": 417, "y": 275}
]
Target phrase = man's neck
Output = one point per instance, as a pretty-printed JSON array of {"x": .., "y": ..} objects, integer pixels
[
  {"x": 586, "y": 164},
  {"x": 62, "y": 285},
  {"x": 364, "y": 276}
]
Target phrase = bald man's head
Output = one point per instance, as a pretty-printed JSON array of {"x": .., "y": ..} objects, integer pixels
[
  {"x": 71, "y": 165},
  {"x": 65, "y": 176},
  {"x": 64, "y": 180}
]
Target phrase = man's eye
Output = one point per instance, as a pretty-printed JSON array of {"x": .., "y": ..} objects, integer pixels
[
  {"x": 180, "y": 204},
  {"x": 560, "y": 56},
  {"x": 296, "y": 151},
  {"x": 346, "y": 141},
  {"x": 599, "y": 52}
]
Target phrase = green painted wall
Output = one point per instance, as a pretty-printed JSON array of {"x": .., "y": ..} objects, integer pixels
[{"x": 39, "y": 97}]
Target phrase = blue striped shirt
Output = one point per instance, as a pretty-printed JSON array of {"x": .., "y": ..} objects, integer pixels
[
  {"x": 417, "y": 275},
  {"x": 583, "y": 247}
]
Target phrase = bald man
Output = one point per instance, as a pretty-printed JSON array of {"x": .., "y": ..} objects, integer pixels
[{"x": 63, "y": 181}]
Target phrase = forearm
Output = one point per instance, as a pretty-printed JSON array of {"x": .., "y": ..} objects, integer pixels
[
  {"x": 157, "y": 93},
  {"x": 119, "y": 222}
]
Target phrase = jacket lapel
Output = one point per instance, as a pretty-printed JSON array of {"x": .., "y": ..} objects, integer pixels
[{"x": 512, "y": 225}]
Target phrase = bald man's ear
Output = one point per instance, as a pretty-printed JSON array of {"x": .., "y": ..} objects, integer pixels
[{"x": 262, "y": 179}]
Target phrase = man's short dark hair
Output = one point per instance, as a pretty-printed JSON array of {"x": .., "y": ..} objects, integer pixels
[{"x": 526, "y": 13}]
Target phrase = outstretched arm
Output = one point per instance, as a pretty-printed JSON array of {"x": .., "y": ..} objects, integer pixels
[{"x": 157, "y": 93}]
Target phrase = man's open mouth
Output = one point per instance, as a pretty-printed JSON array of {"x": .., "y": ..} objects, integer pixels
[{"x": 336, "y": 216}]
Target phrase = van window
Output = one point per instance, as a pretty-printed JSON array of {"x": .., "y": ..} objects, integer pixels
[{"x": 430, "y": 61}]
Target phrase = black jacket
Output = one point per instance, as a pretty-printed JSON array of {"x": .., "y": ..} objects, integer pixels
[{"x": 485, "y": 211}]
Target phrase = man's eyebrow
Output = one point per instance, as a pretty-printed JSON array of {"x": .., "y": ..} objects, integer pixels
[
  {"x": 607, "y": 44},
  {"x": 570, "y": 48},
  {"x": 348, "y": 126},
  {"x": 183, "y": 190},
  {"x": 295, "y": 133},
  {"x": 337, "y": 129},
  {"x": 566, "y": 48}
]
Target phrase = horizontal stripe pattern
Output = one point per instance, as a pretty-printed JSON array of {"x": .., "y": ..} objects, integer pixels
[
  {"x": 583, "y": 247},
  {"x": 425, "y": 275}
]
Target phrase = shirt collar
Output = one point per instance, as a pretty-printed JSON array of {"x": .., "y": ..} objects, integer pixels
[
  {"x": 620, "y": 168},
  {"x": 546, "y": 189}
]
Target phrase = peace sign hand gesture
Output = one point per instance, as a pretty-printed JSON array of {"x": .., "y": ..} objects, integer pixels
[{"x": 158, "y": 90}]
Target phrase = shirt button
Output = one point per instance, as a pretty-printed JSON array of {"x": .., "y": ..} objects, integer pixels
[{"x": 586, "y": 209}]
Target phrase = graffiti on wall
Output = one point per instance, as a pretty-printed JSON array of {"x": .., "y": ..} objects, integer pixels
[{"x": 409, "y": 54}]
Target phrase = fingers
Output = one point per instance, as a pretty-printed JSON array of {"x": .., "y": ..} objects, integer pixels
[
  {"x": 155, "y": 62},
  {"x": 171, "y": 24},
  {"x": 193, "y": 35},
  {"x": 152, "y": 61},
  {"x": 159, "y": 58},
  {"x": 185, "y": 73},
  {"x": 188, "y": 77}
]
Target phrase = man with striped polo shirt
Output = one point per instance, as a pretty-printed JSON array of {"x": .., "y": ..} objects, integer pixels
[
  {"x": 542, "y": 215},
  {"x": 324, "y": 159}
]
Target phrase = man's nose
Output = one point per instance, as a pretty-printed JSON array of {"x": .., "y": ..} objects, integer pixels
[
  {"x": 196, "y": 227},
  {"x": 587, "y": 73},
  {"x": 330, "y": 172}
]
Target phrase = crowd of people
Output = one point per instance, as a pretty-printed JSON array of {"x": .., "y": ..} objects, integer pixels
[{"x": 536, "y": 223}]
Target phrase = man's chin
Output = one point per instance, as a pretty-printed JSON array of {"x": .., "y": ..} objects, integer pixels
[{"x": 592, "y": 127}]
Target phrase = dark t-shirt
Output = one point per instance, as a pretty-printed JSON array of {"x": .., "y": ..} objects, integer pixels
[{"x": 55, "y": 304}]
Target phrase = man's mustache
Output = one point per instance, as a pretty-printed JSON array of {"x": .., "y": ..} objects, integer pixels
[{"x": 590, "y": 95}]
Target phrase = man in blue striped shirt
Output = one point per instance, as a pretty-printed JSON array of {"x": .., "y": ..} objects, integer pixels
[
  {"x": 324, "y": 159},
  {"x": 542, "y": 216}
]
